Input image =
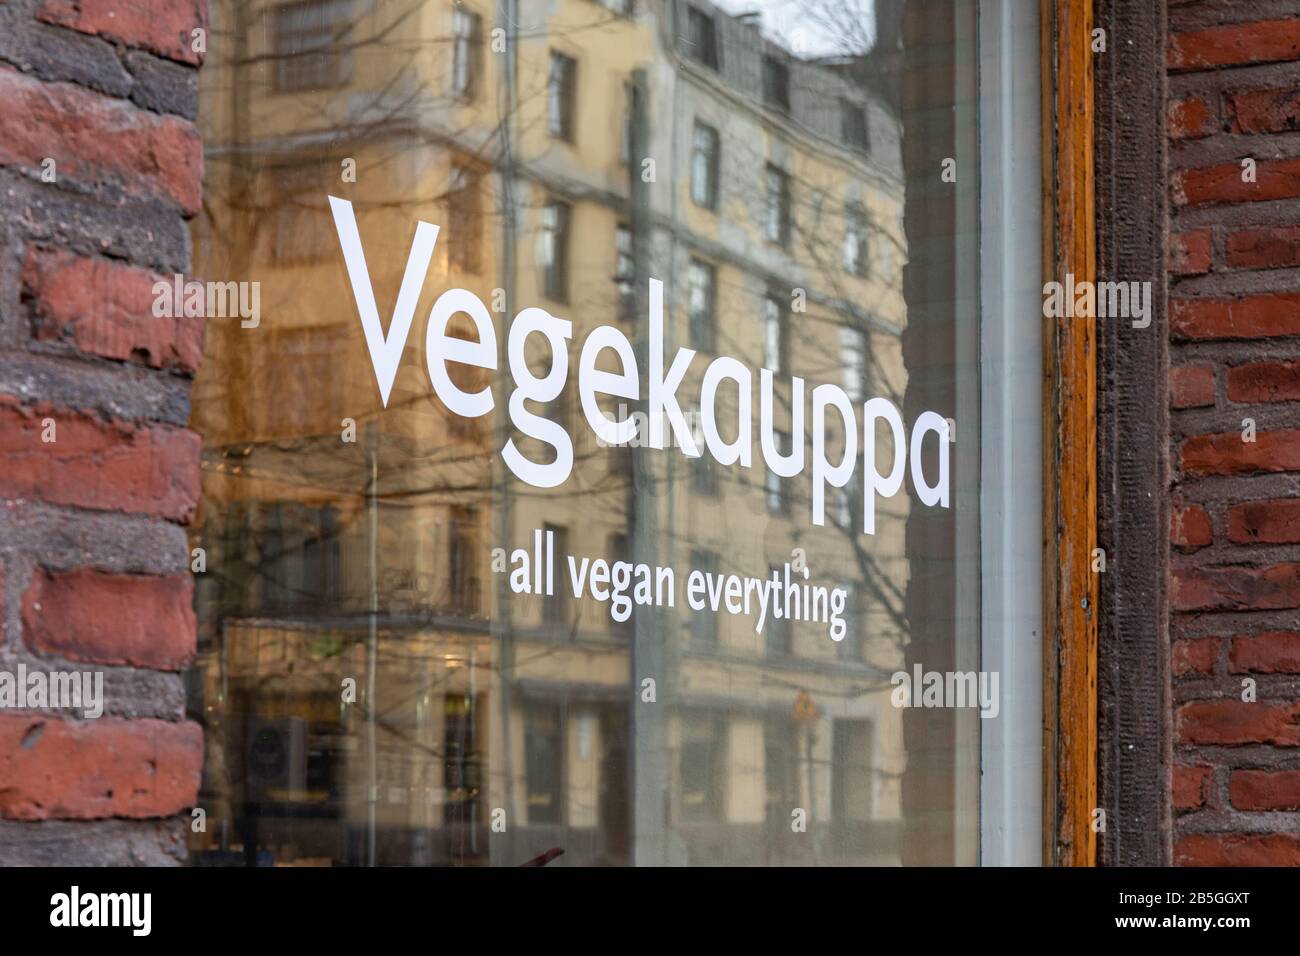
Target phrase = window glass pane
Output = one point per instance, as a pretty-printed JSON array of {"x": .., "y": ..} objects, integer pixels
[
  {"x": 465, "y": 26},
  {"x": 311, "y": 44},
  {"x": 511, "y": 518},
  {"x": 704, "y": 166}
]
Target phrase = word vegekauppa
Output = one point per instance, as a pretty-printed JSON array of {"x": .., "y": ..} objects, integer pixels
[{"x": 659, "y": 390}]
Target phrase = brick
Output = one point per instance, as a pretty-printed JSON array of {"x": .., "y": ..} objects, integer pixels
[
  {"x": 1237, "y": 849},
  {"x": 1263, "y": 111},
  {"x": 1272, "y": 652},
  {"x": 1195, "y": 657},
  {"x": 1190, "y": 528},
  {"x": 1190, "y": 253},
  {"x": 1189, "y": 786},
  {"x": 1236, "y": 723},
  {"x": 1265, "y": 522},
  {"x": 1191, "y": 386},
  {"x": 1226, "y": 454},
  {"x": 53, "y": 769},
  {"x": 1265, "y": 382},
  {"x": 1236, "y": 588},
  {"x": 1189, "y": 118},
  {"x": 1222, "y": 183},
  {"x": 161, "y": 26},
  {"x": 104, "y": 465},
  {"x": 97, "y": 140},
  {"x": 1265, "y": 790},
  {"x": 105, "y": 308},
  {"x": 1237, "y": 44},
  {"x": 1264, "y": 248},
  {"x": 96, "y": 617},
  {"x": 163, "y": 86},
  {"x": 55, "y": 54},
  {"x": 1265, "y": 315}
]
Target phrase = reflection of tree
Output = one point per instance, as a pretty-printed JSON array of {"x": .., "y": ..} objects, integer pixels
[
  {"x": 847, "y": 24},
  {"x": 430, "y": 469}
]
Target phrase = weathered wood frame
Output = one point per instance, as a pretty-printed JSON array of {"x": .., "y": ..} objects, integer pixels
[{"x": 1070, "y": 586}]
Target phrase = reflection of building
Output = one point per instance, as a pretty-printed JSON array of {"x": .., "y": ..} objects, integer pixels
[{"x": 566, "y": 160}]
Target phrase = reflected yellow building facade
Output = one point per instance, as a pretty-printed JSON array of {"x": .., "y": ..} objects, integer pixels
[{"x": 373, "y": 691}]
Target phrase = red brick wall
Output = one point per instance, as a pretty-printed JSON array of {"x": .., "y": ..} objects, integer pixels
[
  {"x": 1234, "y": 354},
  {"x": 94, "y": 564}
]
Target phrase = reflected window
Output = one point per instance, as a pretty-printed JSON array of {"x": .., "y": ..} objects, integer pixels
[
  {"x": 780, "y": 769},
  {"x": 701, "y": 304},
  {"x": 302, "y": 230},
  {"x": 704, "y": 624},
  {"x": 555, "y": 608},
  {"x": 543, "y": 758},
  {"x": 855, "y": 241},
  {"x": 466, "y": 41},
  {"x": 844, "y": 504},
  {"x": 886, "y": 263},
  {"x": 852, "y": 785},
  {"x": 777, "y": 632},
  {"x": 776, "y": 83},
  {"x": 704, "y": 166},
  {"x": 555, "y": 250},
  {"x": 776, "y": 222},
  {"x": 463, "y": 585},
  {"x": 620, "y": 550},
  {"x": 321, "y": 560},
  {"x": 853, "y": 357},
  {"x": 702, "y": 37},
  {"x": 561, "y": 88},
  {"x": 850, "y": 646},
  {"x": 776, "y": 334},
  {"x": 703, "y": 766},
  {"x": 704, "y": 473},
  {"x": 310, "y": 52},
  {"x": 629, "y": 116},
  {"x": 462, "y": 765},
  {"x": 778, "y": 488},
  {"x": 464, "y": 219},
  {"x": 853, "y": 125},
  {"x": 624, "y": 272}
]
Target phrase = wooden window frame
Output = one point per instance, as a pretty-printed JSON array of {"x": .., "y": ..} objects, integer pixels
[{"x": 1070, "y": 587}]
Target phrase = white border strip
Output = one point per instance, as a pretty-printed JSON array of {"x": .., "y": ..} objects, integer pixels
[{"x": 1011, "y": 392}]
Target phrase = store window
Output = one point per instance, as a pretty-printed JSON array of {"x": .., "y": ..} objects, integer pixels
[{"x": 657, "y": 511}]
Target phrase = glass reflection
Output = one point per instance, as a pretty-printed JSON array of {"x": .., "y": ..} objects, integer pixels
[{"x": 373, "y": 691}]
